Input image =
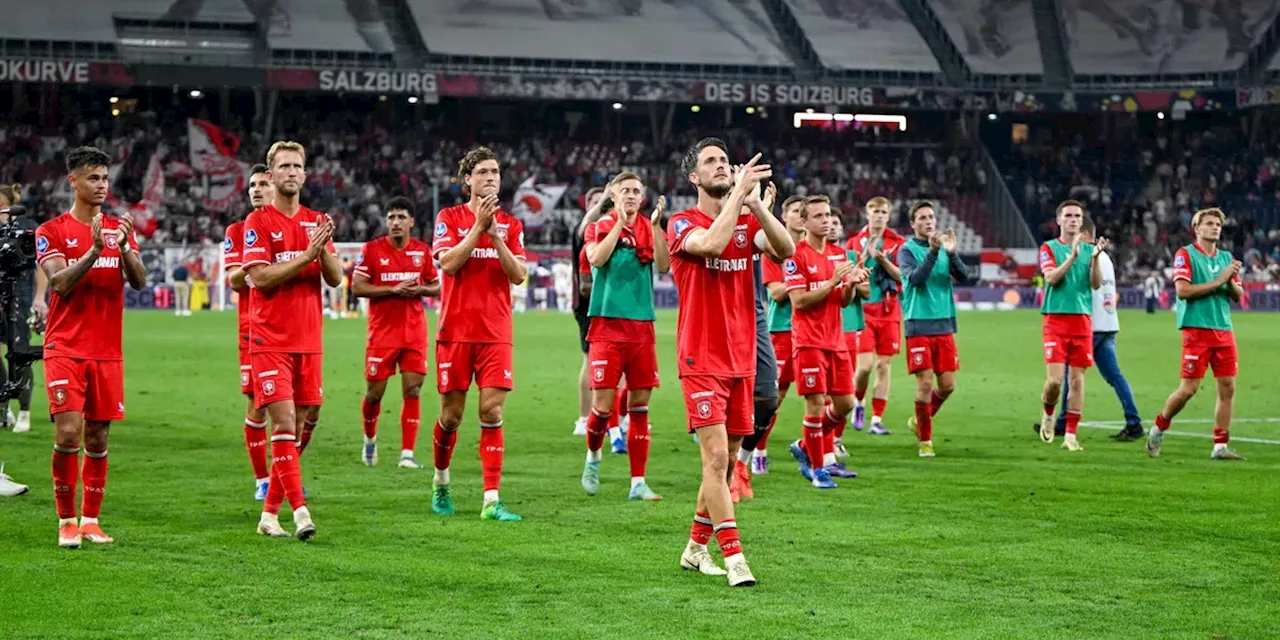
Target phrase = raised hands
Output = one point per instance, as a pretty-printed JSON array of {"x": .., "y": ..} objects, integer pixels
[
  {"x": 858, "y": 275},
  {"x": 948, "y": 240},
  {"x": 1101, "y": 245},
  {"x": 749, "y": 178},
  {"x": 770, "y": 196},
  {"x": 484, "y": 216},
  {"x": 125, "y": 231},
  {"x": 320, "y": 237},
  {"x": 843, "y": 271},
  {"x": 656, "y": 218},
  {"x": 935, "y": 241},
  {"x": 95, "y": 230}
]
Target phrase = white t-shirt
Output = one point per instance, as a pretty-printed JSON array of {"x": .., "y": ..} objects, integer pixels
[
  {"x": 1151, "y": 286},
  {"x": 1104, "y": 298}
]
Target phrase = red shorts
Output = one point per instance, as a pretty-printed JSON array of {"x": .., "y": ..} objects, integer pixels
[
  {"x": 457, "y": 363},
  {"x": 711, "y": 400},
  {"x": 92, "y": 387},
  {"x": 782, "y": 354},
  {"x": 246, "y": 371},
  {"x": 381, "y": 363},
  {"x": 936, "y": 353},
  {"x": 1074, "y": 351},
  {"x": 1198, "y": 355},
  {"x": 883, "y": 337},
  {"x": 610, "y": 360},
  {"x": 280, "y": 377},
  {"x": 853, "y": 340},
  {"x": 822, "y": 371}
]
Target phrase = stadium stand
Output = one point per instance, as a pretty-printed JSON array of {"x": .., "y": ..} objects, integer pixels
[
  {"x": 994, "y": 37},
  {"x": 74, "y": 21},
  {"x": 1135, "y": 37},
  {"x": 341, "y": 25},
  {"x": 681, "y": 31},
  {"x": 876, "y": 36}
]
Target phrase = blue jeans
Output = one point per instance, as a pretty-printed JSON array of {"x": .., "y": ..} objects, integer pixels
[{"x": 1104, "y": 355}]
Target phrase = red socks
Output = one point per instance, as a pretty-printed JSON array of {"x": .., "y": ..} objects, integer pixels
[
  {"x": 410, "y": 417},
  {"x": 1073, "y": 422},
  {"x": 286, "y": 475},
  {"x": 1162, "y": 422},
  {"x": 491, "y": 455},
  {"x": 66, "y": 478},
  {"x": 877, "y": 407},
  {"x": 924, "y": 421},
  {"x": 597, "y": 427},
  {"x": 255, "y": 440},
  {"x": 860, "y": 394},
  {"x": 304, "y": 439},
  {"x": 763, "y": 443},
  {"x": 1221, "y": 436},
  {"x": 702, "y": 530},
  {"x": 442, "y": 446},
  {"x": 1050, "y": 407},
  {"x": 727, "y": 535},
  {"x": 936, "y": 402},
  {"x": 638, "y": 441},
  {"x": 813, "y": 440},
  {"x": 369, "y": 412},
  {"x": 94, "y": 476}
]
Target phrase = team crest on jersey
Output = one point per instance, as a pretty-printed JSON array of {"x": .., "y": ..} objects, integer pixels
[
  {"x": 1180, "y": 261},
  {"x": 810, "y": 381},
  {"x": 268, "y": 387},
  {"x": 1048, "y": 352},
  {"x": 704, "y": 409},
  {"x": 1044, "y": 255},
  {"x": 441, "y": 229},
  {"x": 417, "y": 261},
  {"x": 59, "y": 395},
  {"x": 740, "y": 238},
  {"x": 599, "y": 375},
  {"x": 502, "y": 233},
  {"x": 373, "y": 368},
  {"x": 444, "y": 378},
  {"x": 917, "y": 359},
  {"x": 227, "y": 245},
  {"x": 682, "y": 225},
  {"x": 244, "y": 379},
  {"x": 1191, "y": 366},
  {"x": 789, "y": 266},
  {"x": 250, "y": 238},
  {"x": 42, "y": 244},
  {"x": 111, "y": 241}
]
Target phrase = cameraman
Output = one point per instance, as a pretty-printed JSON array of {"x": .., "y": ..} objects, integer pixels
[{"x": 15, "y": 331}]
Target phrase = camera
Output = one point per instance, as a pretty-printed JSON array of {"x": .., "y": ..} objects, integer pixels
[
  {"x": 17, "y": 265},
  {"x": 17, "y": 246}
]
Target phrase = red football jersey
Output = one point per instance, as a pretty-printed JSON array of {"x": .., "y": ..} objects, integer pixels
[
  {"x": 475, "y": 303},
  {"x": 86, "y": 323},
  {"x": 716, "y": 324},
  {"x": 818, "y": 326},
  {"x": 233, "y": 250},
  {"x": 888, "y": 308},
  {"x": 395, "y": 322},
  {"x": 287, "y": 318},
  {"x": 772, "y": 272}
]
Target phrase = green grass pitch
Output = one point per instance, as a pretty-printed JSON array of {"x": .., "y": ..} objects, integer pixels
[{"x": 1000, "y": 536}]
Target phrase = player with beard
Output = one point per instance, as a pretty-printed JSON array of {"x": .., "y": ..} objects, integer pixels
[
  {"x": 779, "y": 319},
  {"x": 480, "y": 249},
  {"x": 261, "y": 192},
  {"x": 287, "y": 251},
  {"x": 88, "y": 257},
  {"x": 880, "y": 341},
  {"x": 1071, "y": 273},
  {"x": 712, "y": 245}
]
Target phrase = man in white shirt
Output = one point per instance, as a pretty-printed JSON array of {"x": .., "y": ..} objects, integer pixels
[
  {"x": 1106, "y": 325},
  {"x": 1151, "y": 291}
]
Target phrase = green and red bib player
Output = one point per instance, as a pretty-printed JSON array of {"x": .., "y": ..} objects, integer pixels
[
  {"x": 261, "y": 192},
  {"x": 1207, "y": 280},
  {"x": 288, "y": 249},
  {"x": 779, "y": 319},
  {"x": 88, "y": 257},
  {"x": 881, "y": 340},
  {"x": 624, "y": 251},
  {"x": 821, "y": 281},
  {"x": 712, "y": 246},
  {"x": 1071, "y": 273},
  {"x": 930, "y": 267},
  {"x": 480, "y": 251},
  {"x": 394, "y": 272}
]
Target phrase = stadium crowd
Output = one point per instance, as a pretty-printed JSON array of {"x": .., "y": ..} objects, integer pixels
[{"x": 363, "y": 156}]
